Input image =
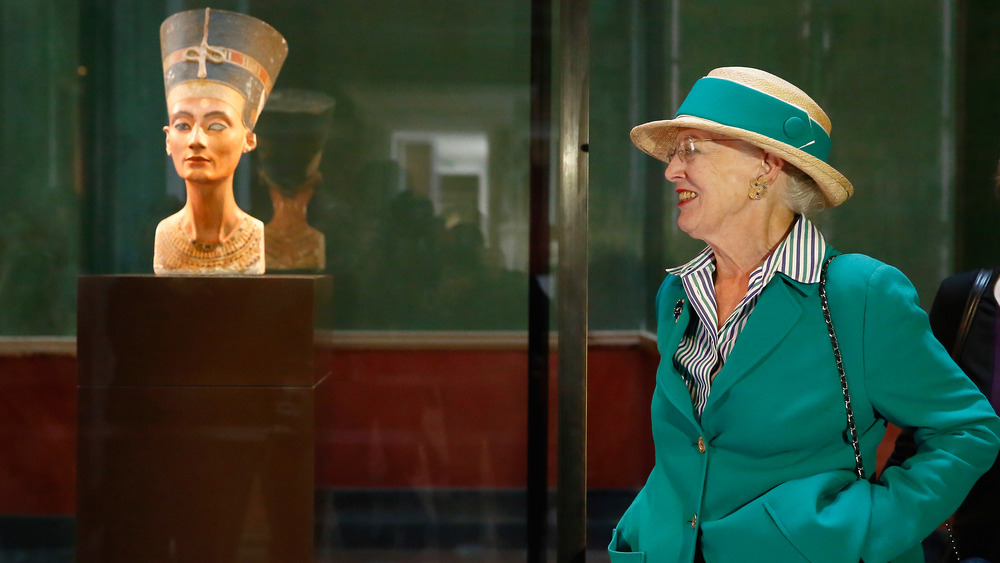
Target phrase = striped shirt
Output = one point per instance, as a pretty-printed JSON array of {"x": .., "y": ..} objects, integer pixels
[{"x": 703, "y": 349}]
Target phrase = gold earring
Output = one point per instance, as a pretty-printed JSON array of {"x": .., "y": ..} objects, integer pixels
[{"x": 758, "y": 187}]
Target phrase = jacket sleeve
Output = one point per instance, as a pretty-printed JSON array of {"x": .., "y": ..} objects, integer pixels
[{"x": 912, "y": 382}]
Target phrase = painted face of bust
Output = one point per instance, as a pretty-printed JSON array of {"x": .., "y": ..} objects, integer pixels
[{"x": 206, "y": 138}]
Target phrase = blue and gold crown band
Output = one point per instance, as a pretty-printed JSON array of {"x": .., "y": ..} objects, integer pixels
[{"x": 220, "y": 55}]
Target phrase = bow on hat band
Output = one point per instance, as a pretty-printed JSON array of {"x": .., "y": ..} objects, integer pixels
[{"x": 735, "y": 105}]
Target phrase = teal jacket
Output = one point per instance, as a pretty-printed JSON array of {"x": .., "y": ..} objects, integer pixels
[{"x": 767, "y": 473}]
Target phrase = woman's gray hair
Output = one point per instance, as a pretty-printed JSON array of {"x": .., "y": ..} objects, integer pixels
[{"x": 802, "y": 194}]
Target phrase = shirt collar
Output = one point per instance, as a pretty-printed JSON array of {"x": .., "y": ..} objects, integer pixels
[{"x": 799, "y": 256}]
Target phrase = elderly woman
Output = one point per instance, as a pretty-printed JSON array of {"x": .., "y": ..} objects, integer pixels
[
  {"x": 218, "y": 69},
  {"x": 754, "y": 424}
]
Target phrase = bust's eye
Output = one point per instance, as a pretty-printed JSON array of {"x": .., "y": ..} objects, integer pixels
[
  {"x": 182, "y": 126},
  {"x": 217, "y": 127}
]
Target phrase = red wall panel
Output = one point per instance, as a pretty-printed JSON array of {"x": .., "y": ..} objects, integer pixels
[
  {"x": 37, "y": 434},
  {"x": 447, "y": 418},
  {"x": 389, "y": 418}
]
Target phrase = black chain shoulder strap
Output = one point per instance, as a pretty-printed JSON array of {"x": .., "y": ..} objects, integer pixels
[{"x": 859, "y": 467}]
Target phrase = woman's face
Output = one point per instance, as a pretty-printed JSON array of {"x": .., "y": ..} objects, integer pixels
[
  {"x": 206, "y": 138},
  {"x": 712, "y": 181}
]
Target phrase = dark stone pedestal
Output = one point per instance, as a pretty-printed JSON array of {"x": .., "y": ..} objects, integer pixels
[{"x": 196, "y": 418}]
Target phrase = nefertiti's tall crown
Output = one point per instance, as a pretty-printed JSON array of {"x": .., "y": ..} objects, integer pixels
[{"x": 220, "y": 54}]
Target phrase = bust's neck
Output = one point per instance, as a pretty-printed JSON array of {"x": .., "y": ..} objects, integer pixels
[{"x": 210, "y": 214}]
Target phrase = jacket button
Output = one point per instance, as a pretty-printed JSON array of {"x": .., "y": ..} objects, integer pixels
[
  {"x": 701, "y": 444},
  {"x": 694, "y": 521}
]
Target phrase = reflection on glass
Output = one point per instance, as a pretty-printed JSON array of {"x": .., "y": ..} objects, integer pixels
[
  {"x": 290, "y": 148},
  {"x": 451, "y": 169}
]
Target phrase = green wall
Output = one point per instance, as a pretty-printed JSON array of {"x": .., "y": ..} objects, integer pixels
[
  {"x": 884, "y": 73},
  {"x": 422, "y": 87},
  {"x": 39, "y": 159}
]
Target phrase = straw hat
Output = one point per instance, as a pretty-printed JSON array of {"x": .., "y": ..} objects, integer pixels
[{"x": 761, "y": 109}]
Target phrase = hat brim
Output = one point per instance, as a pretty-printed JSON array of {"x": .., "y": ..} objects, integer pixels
[{"x": 658, "y": 138}]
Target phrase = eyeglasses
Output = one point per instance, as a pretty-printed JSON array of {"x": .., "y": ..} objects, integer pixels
[{"x": 685, "y": 148}]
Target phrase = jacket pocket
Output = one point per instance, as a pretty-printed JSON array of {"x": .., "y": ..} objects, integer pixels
[
  {"x": 824, "y": 517},
  {"x": 623, "y": 556},
  {"x": 747, "y": 535}
]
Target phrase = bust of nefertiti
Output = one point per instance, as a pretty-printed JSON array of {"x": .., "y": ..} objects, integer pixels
[{"x": 219, "y": 68}]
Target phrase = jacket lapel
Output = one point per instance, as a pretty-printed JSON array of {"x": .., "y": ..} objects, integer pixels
[
  {"x": 674, "y": 315},
  {"x": 779, "y": 308}
]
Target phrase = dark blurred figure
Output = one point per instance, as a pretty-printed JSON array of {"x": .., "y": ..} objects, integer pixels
[
  {"x": 964, "y": 318},
  {"x": 977, "y": 522},
  {"x": 476, "y": 293},
  {"x": 406, "y": 265}
]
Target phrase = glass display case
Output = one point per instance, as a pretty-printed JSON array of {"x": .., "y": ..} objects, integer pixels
[{"x": 403, "y": 176}]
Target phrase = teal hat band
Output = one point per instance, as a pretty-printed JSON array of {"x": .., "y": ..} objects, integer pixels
[{"x": 735, "y": 105}]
